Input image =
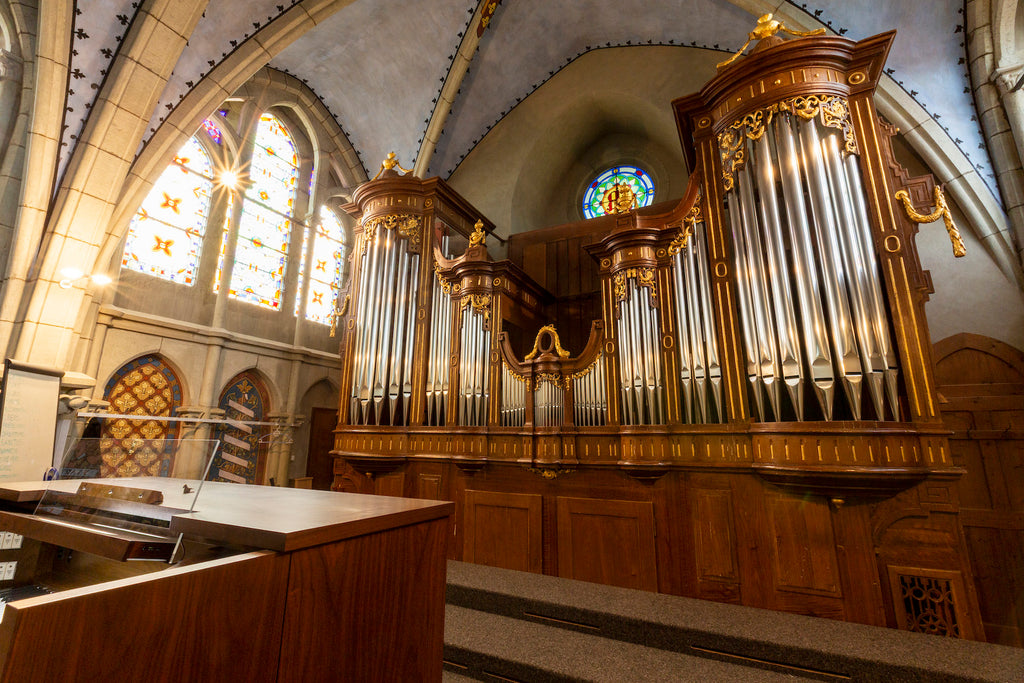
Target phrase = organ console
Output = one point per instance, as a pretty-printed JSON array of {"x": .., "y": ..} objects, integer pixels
[{"x": 753, "y": 417}]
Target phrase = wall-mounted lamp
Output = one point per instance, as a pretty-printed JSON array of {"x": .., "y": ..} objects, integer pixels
[{"x": 72, "y": 276}]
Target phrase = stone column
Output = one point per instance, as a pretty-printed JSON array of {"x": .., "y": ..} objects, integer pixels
[{"x": 279, "y": 451}]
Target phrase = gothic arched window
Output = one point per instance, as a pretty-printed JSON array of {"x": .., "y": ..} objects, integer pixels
[
  {"x": 242, "y": 456},
  {"x": 326, "y": 267},
  {"x": 618, "y": 189},
  {"x": 165, "y": 236},
  {"x": 266, "y": 222},
  {"x": 146, "y": 386}
]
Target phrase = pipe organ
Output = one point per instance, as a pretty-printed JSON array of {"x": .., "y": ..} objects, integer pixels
[{"x": 758, "y": 387}]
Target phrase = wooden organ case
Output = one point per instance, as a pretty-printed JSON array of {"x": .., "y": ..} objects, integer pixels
[{"x": 753, "y": 419}]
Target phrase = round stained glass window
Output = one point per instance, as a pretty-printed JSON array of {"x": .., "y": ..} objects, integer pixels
[{"x": 617, "y": 190}]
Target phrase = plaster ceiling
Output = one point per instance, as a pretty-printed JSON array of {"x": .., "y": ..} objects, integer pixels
[{"x": 379, "y": 65}]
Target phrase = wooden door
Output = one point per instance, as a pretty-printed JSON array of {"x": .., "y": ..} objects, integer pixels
[
  {"x": 981, "y": 389},
  {"x": 319, "y": 463}
]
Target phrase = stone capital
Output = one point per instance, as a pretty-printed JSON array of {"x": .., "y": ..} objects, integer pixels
[
  {"x": 10, "y": 66},
  {"x": 1006, "y": 78}
]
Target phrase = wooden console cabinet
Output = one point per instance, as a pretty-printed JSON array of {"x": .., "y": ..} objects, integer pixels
[{"x": 321, "y": 587}]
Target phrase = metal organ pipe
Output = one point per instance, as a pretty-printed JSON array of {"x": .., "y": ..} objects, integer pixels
[
  {"x": 626, "y": 350},
  {"x": 640, "y": 356},
  {"x": 846, "y": 355},
  {"x": 385, "y": 330},
  {"x": 652, "y": 354},
  {"x": 777, "y": 276},
  {"x": 386, "y": 306},
  {"x": 859, "y": 287},
  {"x": 766, "y": 349},
  {"x": 684, "y": 318},
  {"x": 700, "y": 370},
  {"x": 513, "y": 399},
  {"x": 805, "y": 275},
  {"x": 473, "y": 368},
  {"x": 371, "y": 317},
  {"x": 808, "y": 284},
  {"x": 397, "y": 339},
  {"x": 438, "y": 363},
  {"x": 590, "y": 402},
  {"x": 698, "y": 256},
  {"x": 748, "y": 322},
  {"x": 863, "y": 238},
  {"x": 365, "y": 278},
  {"x": 433, "y": 384},
  {"x": 410, "y": 330}
]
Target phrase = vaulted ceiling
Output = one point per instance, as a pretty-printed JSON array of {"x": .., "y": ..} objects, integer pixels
[{"x": 423, "y": 78}]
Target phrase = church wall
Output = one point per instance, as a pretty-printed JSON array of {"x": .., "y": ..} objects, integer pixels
[
  {"x": 971, "y": 293},
  {"x": 531, "y": 169}
]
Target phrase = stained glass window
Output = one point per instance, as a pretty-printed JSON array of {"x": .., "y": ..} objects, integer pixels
[
  {"x": 242, "y": 456},
  {"x": 166, "y": 233},
  {"x": 618, "y": 189},
  {"x": 212, "y": 130},
  {"x": 326, "y": 267},
  {"x": 265, "y": 226},
  {"x": 145, "y": 386}
]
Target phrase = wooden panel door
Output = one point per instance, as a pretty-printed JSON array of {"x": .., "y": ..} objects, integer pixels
[
  {"x": 981, "y": 384},
  {"x": 503, "y": 530},
  {"x": 319, "y": 463},
  {"x": 607, "y": 541}
]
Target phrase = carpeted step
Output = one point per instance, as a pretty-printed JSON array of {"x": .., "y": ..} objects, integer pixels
[
  {"x": 827, "y": 648},
  {"x": 493, "y": 647}
]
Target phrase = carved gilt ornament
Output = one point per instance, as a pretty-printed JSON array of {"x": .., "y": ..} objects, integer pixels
[
  {"x": 833, "y": 112},
  {"x": 407, "y": 225}
]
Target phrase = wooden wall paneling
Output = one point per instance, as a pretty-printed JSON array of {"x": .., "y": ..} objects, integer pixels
[
  {"x": 804, "y": 545},
  {"x": 319, "y": 463},
  {"x": 673, "y": 540},
  {"x": 861, "y": 587},
  {"x": 908, "y": 535},
  {"x": 982, "y": 380},
  {"x": 347, "y": 479},
  {"x": 997, "y": 562},
  {"x": 430, "y": 485},
  {"x": 714, "y": 544},
  {"x": 607, "y": 541},
  {"x": 534, "y": 261},
  {"x": 155, "y": 627},
  {"x": 369, "y": 608},
  {"x": 390, "y": 484},
  {"x": 753, "y": 539},
  {"x": 549, "y": 542},
  {"x": 503, "y": 530}
]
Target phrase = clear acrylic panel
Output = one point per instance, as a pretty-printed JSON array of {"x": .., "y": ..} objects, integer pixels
[{"x": 129, "y": 488}]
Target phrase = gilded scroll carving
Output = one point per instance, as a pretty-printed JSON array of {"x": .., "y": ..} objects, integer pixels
[
  {"x": 832, "y": 111},
  {"x": 407, "y": 225}
]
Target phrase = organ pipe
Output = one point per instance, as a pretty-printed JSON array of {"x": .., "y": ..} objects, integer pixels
[
  {"x": 700, "y": 374},
  {"x": 438, "y": 364},
  {"x": 382, "y": 375},
  {"x": 473, "y": 362},
  {"x": 808, "y": 284},
  {"x": 639, "y": 350}
]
